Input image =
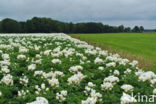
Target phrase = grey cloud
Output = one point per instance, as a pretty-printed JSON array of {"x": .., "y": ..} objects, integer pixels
[{"x": 113, "y": 12}]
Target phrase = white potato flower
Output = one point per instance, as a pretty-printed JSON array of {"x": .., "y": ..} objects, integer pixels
[
  {"x": 61, "y": 97},
  {"x": 76, "y": 68},
  {"x": 5, "y": 69},
  {"x": 127, "y": 99},
  {"x": 111, "y": 64},
  {"x": 53, "y": 82},
  {"x": 134, "y": 63},
  {"x": 24, "y": 80},
  {"x": 90, "y": 84},
  {"x": 107, "y": 86},
  {"x": 98, "y": 61},
  {"x": 39, "y": 100},
  {"x": 5, "y": 56},
  {"x": 154, "y": 91},
  {"x": 116, "y": 72},
  {"x": 101, "y": 68},
  {"x": 32, "y": 67},
  {"x": 128, "y": 71},
  {"x": 21, "y": 57},
  {"x": 7, "y": 79},
  {"x": 23, "y": 50},
  {"x": 0, "y": 93},
  {"x": 56, "y": 61},
  {"x": 76, "y": 78},
  {"x": 43, "y": 86},
  {"x": 127, "y": 88}
]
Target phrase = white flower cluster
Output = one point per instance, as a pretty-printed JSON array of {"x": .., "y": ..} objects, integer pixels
[
  {"x": 134, "y": 63},
  {"x": 5, "y": 69},
  {"x": 5, "y": 63},
  {"x": 61, "y": 97},
  {"x": 111, "y": 79},
  {"x": 56, "y": 61},
  {"x": 111, "y": 64},
  {"x": 114, "y": 57},
  {"x": 91, "y": 52},
  {"x": 128, "y": 71},
  {"x": 42, "y": 88},
  {"x": 76, "y": 78},
  {"x": 68, "y": 52},
  {"x": 154, "y": 91},
  {"x": 116, "y": 72},
  {"x": 101, "y": 68},
  {"x": 22, "y": 93},
  {"x": 24, "y": 80},
  {"x": 23, "y": 50},
  {"x": 98, "y": 61},
  {"x": 40, "y": 100},
  {"x": 107, "y": 86},
  {"x": 37, "y": 47},
  {"x": 57, "y": 52},
  {"x": 147, "y": 76},
  {"x": 7, "y": 47},
  {"x": 59, "y": 73},
  {"x": 93, "y": 96},
  {"x": 7, "y": 79},
  {"x": 47, "y": 52},
  {"x": 81, "y": 55},
  {"x": 76, "y": 68},
  {"x": 90, "y": 84},
  {"x": 0, "y": 93},
  {"x": 39, "y": 61},
  {"x": 103, "y": 52},
  {"x": 127, "y": 88},
  {"x": 32, "y": 67},
  {"x": 21, "y": 57},
  {"x": 5, "y": 57},
  {"x": 109, "y": 83},
  {"x": 127, "y": 99},
  {"x": 51, "y": 77},
  {"x": 53, "y": 82},
  {"x": 38, "y": 73}
]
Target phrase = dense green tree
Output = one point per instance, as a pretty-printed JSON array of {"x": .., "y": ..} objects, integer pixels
[
  {"x": 121, "y": 28},
  {"x": 136, "y": 29},
  {"x": 141, "y": 28},
  {"x": 10, "y": 26},
  {"x": 71, "y": 27},
  {"x": 0, "y": 27},
  {"x": 23, "y": 27},
  {"x": 48, "y": 25},
  {"x": 127, "y": 29}
]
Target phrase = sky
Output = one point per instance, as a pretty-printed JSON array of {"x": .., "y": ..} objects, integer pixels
[{"x": 111, "y": 12}]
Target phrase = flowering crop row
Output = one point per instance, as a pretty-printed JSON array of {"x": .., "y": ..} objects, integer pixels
[{"x": 58, "y": 69}]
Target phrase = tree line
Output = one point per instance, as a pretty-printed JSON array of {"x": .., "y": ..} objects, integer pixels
[{"x": 48, "y": 25}]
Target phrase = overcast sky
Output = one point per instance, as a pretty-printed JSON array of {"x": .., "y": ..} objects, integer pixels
[{"x": 112, "y": 12}]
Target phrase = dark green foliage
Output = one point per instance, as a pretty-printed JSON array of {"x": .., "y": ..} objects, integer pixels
[
  {"x": 10, "y": 26},
  {"x": 48, "y": 25},
  {"x": 0, "y": 27},
  {"x": 121, "y": 28},
  {"x": 136, "y": 29},
  {"x": 127, "y": 29},
  {"x": 141, "y": 28}
]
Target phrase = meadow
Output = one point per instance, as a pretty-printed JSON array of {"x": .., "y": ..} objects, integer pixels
[
  {"x": 140, "y": 46},
  {"x": 59, "y": 69}
]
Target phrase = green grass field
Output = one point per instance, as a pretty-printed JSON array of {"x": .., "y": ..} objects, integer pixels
[{"x": 139, "y": 46}]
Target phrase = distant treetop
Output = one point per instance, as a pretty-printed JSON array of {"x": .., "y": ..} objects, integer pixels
[{"x": 48, "y": 25}]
